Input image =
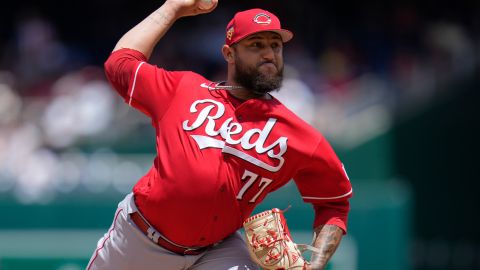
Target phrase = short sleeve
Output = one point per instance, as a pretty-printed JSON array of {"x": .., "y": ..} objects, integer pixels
[
  {"x": 144, "y": 86},
  {"x": 324, "y": 183},
  {"x": 332, "y": 213},
  {"x": 323, "y": 178}
]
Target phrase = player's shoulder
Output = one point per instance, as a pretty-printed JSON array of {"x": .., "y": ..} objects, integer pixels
[
  {"x": 295, "y": 120},
  {"x": 201, "y": 82},
  {"x": 193, "y": 82}
]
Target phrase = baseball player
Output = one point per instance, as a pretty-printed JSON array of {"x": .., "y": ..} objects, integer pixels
[{"x": 221, "y": 148}]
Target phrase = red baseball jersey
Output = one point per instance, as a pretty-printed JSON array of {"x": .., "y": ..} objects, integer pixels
[{"x": 218, "y": 157}]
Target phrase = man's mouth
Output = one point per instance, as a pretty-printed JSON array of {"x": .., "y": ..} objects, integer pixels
[{"x": 268, "y": 65}]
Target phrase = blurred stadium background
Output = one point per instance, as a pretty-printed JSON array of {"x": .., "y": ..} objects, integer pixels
[{"x": 393, "y": 85}]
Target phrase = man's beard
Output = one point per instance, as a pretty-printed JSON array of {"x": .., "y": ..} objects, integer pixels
[{"x": 255, "y": 81}]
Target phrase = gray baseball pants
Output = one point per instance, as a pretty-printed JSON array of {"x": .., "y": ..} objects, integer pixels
[{"x": 124, "y": 247}]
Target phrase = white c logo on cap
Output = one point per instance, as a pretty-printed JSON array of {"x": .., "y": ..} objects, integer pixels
[{"x": 262, "y": 18}]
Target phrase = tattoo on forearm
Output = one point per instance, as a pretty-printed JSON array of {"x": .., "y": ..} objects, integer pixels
[
  {"x": 327, "y": 240},
  {"x": 161, "y": 18}
]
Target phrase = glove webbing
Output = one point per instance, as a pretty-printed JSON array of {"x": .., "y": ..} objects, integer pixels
[{"x": 280, "y": 236}]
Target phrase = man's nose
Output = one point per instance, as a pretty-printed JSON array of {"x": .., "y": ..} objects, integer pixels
[{"x": 268, "y": 54}]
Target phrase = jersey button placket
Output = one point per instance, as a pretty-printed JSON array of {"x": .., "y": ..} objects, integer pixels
[
  {"x": 222, "y": 189},
  {"x": 243, "y": 110}
]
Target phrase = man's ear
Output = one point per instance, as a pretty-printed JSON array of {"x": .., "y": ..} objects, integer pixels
[{"x": 228, "y": 54}]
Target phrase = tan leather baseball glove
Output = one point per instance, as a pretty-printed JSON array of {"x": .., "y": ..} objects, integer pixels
[{"x": 270, "y": 243}]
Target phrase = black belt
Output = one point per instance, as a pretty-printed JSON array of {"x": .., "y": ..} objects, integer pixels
[{"x": 148, "y": 231}]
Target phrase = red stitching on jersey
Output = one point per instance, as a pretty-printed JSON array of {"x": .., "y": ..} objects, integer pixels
[{"x": 106, "y": 238}]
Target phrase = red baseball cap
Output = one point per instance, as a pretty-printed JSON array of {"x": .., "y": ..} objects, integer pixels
[{"x": 251, "y": 21}]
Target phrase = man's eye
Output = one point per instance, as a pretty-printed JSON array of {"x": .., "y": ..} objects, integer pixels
[{"x": 275, "y": 45}]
